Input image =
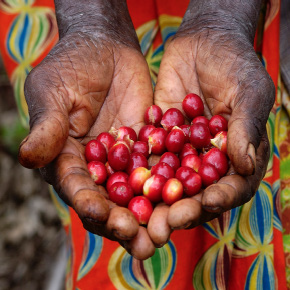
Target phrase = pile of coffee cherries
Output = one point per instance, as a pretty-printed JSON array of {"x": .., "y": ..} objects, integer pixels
[{"x": 188, "y": 157}]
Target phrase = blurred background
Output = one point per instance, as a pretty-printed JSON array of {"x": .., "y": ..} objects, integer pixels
[{"x": 32, "y": 254}]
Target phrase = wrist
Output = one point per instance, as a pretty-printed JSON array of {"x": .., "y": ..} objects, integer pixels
[
  {"x": 238, "y": 17},
  {"x": 97, "y": 18}
]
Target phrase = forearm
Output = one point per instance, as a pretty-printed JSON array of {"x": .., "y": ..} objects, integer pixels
[
  {"x": 226, "y": 15},
  {"x": 109, "y": 18}
]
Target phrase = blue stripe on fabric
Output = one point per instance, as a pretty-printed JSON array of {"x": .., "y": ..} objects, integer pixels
[
  {"x": 233, "y": 216},
  {"x": 266, "y": 277},
  {"x": 169, "y": 35},
  {"x": 250, "y": 272},
  {"x": 173, "y": 252},
  {"x": 124, "y": 269},
  {"x": 159, "y": 49},
  {"x": 213, "y": 272},
  {"x": 260, "y": 217},
  {"x": 210, "y": 230},
  {"x": 23, "y": 35}
]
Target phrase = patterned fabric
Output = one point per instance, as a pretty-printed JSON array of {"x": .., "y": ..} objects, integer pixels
[
  {"x": 28, "y": 31},
  {"x": 242, "y": 249},
  {"x": 285, "y": 177}
]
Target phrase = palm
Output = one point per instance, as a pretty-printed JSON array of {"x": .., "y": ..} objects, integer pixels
[{"x": 217, "y": 71}]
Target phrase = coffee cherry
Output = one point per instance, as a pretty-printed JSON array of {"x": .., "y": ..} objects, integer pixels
[
  {"x": 141, "y": 147},
  {"x": 193, "y": 106},
  {"x": 119, "y": 156},
  {"x": 217, "y": 123},
  {"x": 97, "y": 171},
  {"x": 137, "y": 179},
  {"x": 171, "y": 159},
  {"x": 208, "y": 173},
  {"x": 171, "y": 118},
  {"x": 175, "y": 140},
  {"x": 172, "y": 191},
  {"x": 200, "y": 119},
  {"x": 199, "y": 135},
  {"x": 109, "y": 169},
  {"x": 145, "y": 132},
  {"x": 153, "y": 116},
  {"x": 121, "y": 193},
  {"x": 95, "y": 151},
  {"x": 156, "y": 141},
  {"x": 163, "y": 169},
  {"x": 187, "y": 150},
  {"x": 185, "y": 128},
  {"x": 142, "y": 209},
  {"x": 191, "y": 161},
  {"x": 218, "y": 159},
  {"x": 220, "y": 141},
  {"x": 192, "y": 184},
  {"x": 153, "y": 186},
  {"x": 136, "y": 160},
  {"x": 106, "y": 139},
  {"x": 120, "y": 133},
  {"x": 183, "y": 172},
  {"x": 118, "y": 176}
]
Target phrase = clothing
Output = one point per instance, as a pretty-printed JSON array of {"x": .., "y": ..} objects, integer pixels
[{"x": 243, "y": 249}]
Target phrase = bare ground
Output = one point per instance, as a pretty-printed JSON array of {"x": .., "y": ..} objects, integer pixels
[{"x": 31, "y": 235}]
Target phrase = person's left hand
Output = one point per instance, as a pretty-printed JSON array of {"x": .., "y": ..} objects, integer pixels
[{"x": 223, "y": 69}]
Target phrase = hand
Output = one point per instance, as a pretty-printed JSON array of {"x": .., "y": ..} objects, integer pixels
[
  {"x": 83, "y": 87},
  {"x": 221, "y": 66}
]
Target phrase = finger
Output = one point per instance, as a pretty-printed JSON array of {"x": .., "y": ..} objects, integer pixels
[
  {"x": 75, "y": 186},
  {"x": 71, "y": 179},
  {"x": 158, "y": 227},
  {"x": 247, "y": 123},
  {"x": 234, "y": 190},
  {"x": 49, "y": 125},
  {"x": 122, "y": 223},
  {"x": 188, "y": 213},
  {"x": 140, "y": 247}
]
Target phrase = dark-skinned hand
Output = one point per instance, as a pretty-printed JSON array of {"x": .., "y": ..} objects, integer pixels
[
  {"x": 221, "y": 66},
  {"x": 84, "y": 87}
]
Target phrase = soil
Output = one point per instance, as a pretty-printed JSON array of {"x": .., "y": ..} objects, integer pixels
[{"x": 31, "y": 234}]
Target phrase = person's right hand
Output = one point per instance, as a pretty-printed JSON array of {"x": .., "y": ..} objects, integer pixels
[{"x": 86, "y": 85}]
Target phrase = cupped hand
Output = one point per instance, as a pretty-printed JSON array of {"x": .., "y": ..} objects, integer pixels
[
  {"x": 223, "y": 69},
  {"x": 83, "y": 87}
]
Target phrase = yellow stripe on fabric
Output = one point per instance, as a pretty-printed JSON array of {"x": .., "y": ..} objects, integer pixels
[
  {"x": 248, "y": 235},
  {"x": 204, "y": 273},
  {"x": 115, "y": 270},
  {"x": 14, "y": 38}
]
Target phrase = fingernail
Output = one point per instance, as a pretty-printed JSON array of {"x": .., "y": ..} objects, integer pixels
[
  {"x": 215, "y": 209},
  {"x": 120, "y": 236},
  {"x": 93, "y": 221},
  {"x": 159, "y": 245},
  {"x": 188, "y": 224},
  {"x": 252, "y": 154}
]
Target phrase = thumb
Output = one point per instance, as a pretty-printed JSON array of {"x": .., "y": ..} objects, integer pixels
[
  {"x": 49, "y": 127},
  {"x": 247, "y": 125},
  {"x": 45, "y": 141}
]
